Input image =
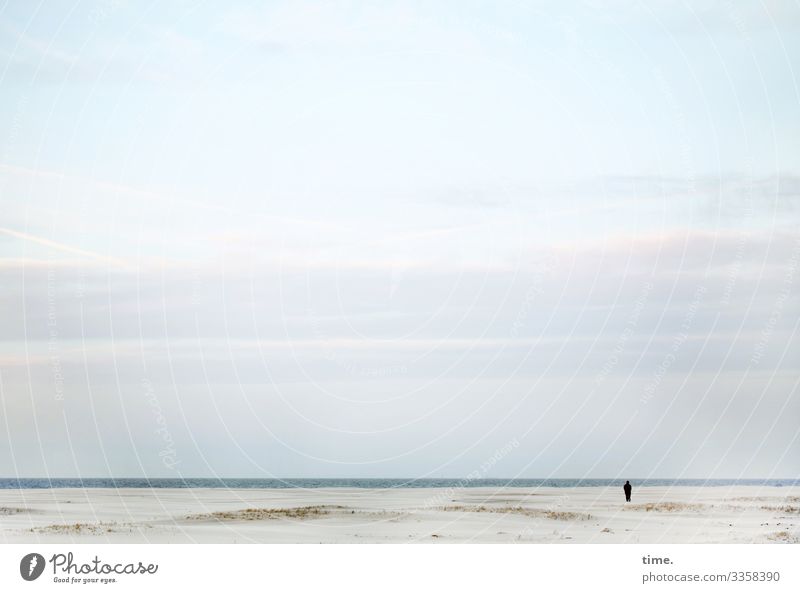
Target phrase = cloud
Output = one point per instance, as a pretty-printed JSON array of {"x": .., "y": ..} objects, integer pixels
[
  {"x": 61, "y": 247},
  {"x": 315, "y": 24},
  {"x": 43, "y": 50}
]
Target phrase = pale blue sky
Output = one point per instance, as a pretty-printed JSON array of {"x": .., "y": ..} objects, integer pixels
[{"x": 387, "y": 239}]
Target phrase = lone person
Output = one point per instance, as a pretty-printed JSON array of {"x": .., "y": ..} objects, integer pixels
[{"x": 627, "y": 488}]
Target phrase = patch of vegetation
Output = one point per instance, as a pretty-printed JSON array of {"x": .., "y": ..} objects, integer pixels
[
  {"x": 666, "y": 507},
  {"x": 784, "y": 499},
  {"x": 783, "y": 509},
  {"x": 527, "y": 512},
  {"x": 784, "y": 537},
  {"x": 79, "y": 528},
  {"x": 309, "y": 512},
  {"x": 13, "y": 510}
]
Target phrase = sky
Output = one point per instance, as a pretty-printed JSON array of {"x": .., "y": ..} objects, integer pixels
[{"x": 399, "y": 239}]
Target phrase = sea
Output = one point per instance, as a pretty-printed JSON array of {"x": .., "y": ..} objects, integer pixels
[{"x": 373, "y": 483}]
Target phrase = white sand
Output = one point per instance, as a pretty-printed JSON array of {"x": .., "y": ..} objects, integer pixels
[{"x": 741, "y": 514}]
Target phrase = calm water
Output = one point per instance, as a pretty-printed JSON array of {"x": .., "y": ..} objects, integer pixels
[{"x": 6, "y": 483}]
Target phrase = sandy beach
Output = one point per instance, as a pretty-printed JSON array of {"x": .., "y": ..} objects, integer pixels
[{"x": 738, "y": 514}]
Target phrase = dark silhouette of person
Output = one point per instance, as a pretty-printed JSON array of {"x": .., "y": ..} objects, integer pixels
[{"x": 627, "y": 488}]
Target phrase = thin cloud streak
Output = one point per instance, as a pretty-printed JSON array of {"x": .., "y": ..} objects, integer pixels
[{"x": 62, "y": 247}]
